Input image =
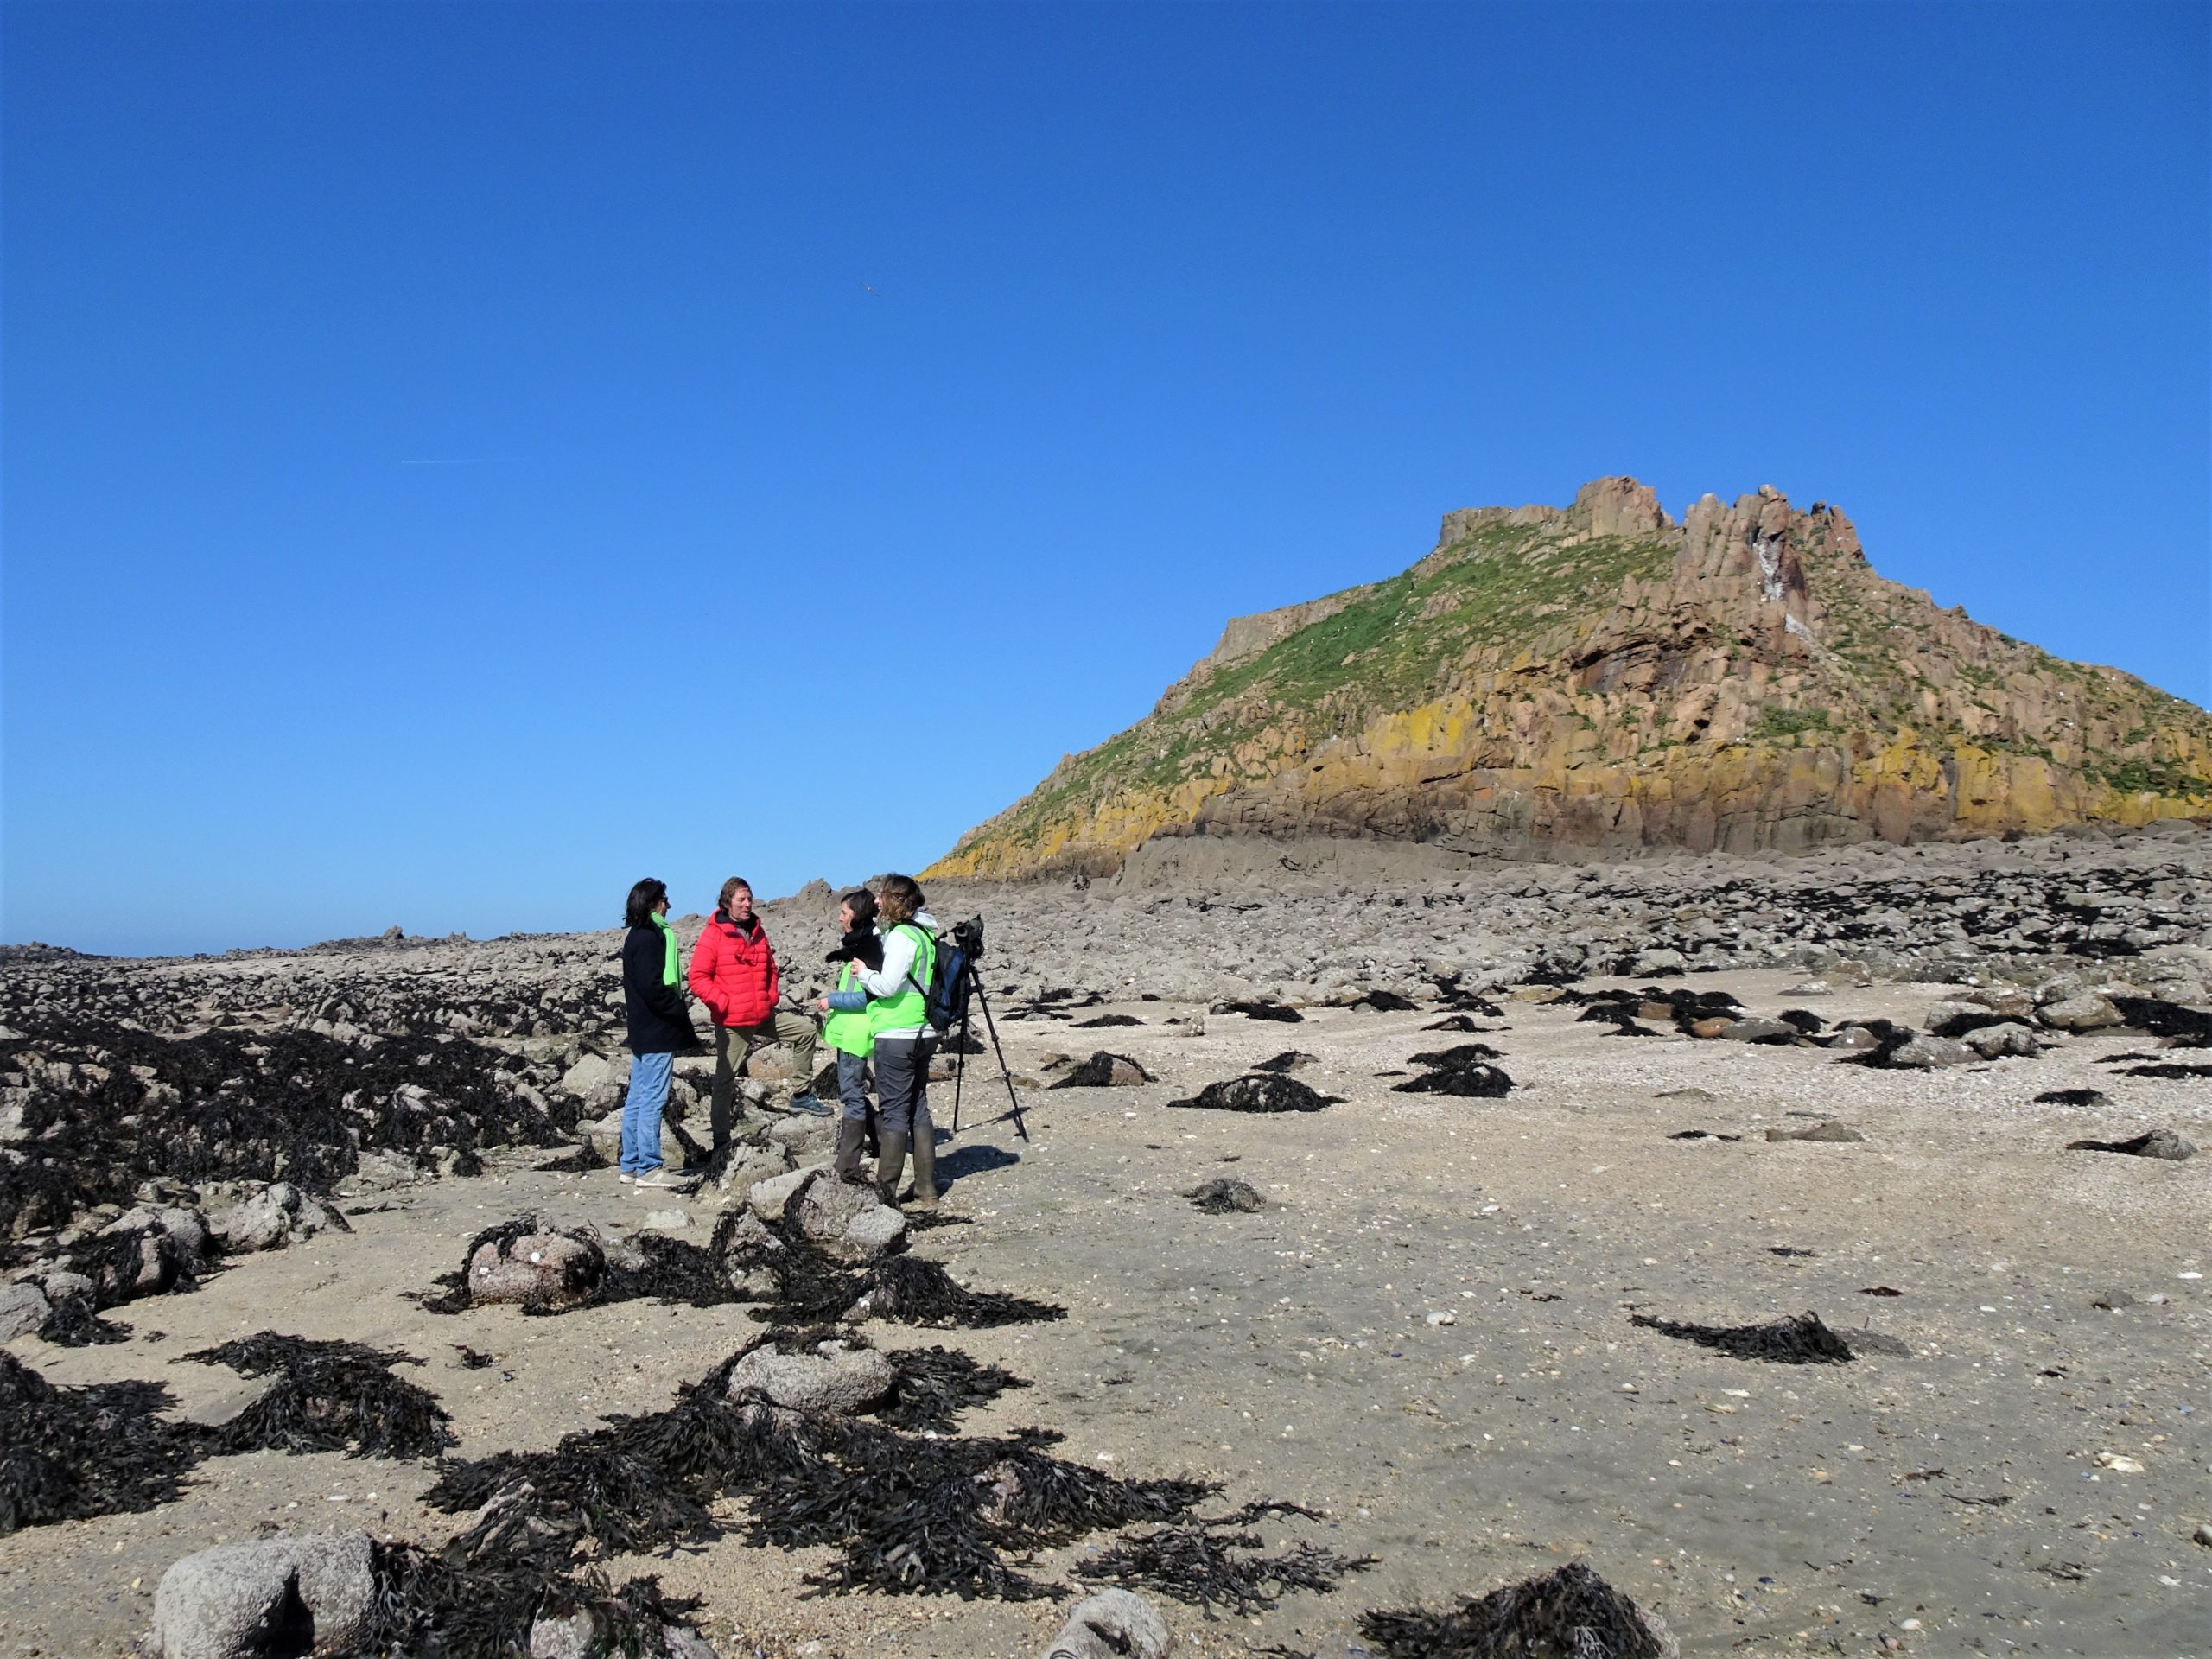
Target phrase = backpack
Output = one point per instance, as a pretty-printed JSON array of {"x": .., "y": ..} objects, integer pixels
[{"x": 952, "y": 982}]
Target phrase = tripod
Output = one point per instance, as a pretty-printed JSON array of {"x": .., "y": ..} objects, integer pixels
[{"x": 960, "y": 1057}]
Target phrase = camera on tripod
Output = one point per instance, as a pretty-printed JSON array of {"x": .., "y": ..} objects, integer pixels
[{"x": 965, "y": 987}]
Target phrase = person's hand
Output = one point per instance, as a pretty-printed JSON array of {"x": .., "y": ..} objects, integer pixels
[{"x": 822, "y": 1005}]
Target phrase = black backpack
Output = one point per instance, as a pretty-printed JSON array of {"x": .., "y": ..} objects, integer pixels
[{"x": 952, "y": 982}]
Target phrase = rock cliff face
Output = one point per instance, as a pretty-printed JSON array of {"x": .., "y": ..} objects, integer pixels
[{"x": 1600, "y": 679}]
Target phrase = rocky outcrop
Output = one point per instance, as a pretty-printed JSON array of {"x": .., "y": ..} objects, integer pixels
[{"x": 1599, "y": 679}]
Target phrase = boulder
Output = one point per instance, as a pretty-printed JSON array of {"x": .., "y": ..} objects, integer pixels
[
  {"x": 23, "y": 1308},
  {"x": 1714, "y": 1027},
  {"x": 540, "y": 1270},
  {"x": 834, "y": 1378},
  {"x": 1659, "y": 960},
  {"x": 749, "y": 1165},
  {"x": 1113, "y": 1625},
  {"x": 1927, "y": 1052},
  {"x": 768, "y": 1197},
  {"x": 824, "y": 1206},
  {"x": 282, "y": 1595},
  {"x": 1994, "y": 1042},
  {"x": 278, "y": 1214},
  {"x": 1855, "y": 1039},
  {"x": 2088, "y": 1012},
  {"x": 803, "y": 1137},
  {"x": 880, "y": 1231}
]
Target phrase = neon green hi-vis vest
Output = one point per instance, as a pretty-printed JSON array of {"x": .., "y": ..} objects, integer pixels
[
  {"x": 848, "y": 1032},
  {"x": 907, "y": 1007}
]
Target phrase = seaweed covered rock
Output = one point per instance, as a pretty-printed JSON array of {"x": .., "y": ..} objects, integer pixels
[
  {"x": 69, "y": 1452},
  {"x": 327, "y": 1396},
  {"x": 1569, "y": 1614},
  {"x": 545, "y": 1271},
  {"x": 839, "y": 1374},
  {"x": 849, "y": 1219},
  {"x": 1113, "y": 1625},
  {"x": 1266, "y": 1091},
  {"x": 1104, "y": 1070},
  {"x": 1462, "y": 1070},
  {"x": 273, "y": 1596},
  {"x": 2157, "y": 1143},
  {"x": 1224, "y": 1197}
]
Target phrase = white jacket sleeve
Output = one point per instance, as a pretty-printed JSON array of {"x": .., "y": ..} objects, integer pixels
[{"x": 898, "y": 953}]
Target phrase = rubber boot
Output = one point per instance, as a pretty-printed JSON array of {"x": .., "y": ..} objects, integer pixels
[
  {"x": 851, "y": 1132},
  {"x": 926, "y": 1171},
  {"x": 889, "y": 1166}
]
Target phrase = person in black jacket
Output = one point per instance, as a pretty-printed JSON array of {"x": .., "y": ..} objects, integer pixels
[{"x": 660, "y": 1028}]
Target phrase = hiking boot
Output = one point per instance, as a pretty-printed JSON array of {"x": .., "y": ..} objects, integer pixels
[
  {"x": 889, "y": 1167},
  {"x": 851, "y": 1132},
  {"x": 925, "y": 1172},
  {"x": 809, "y": 1104}
]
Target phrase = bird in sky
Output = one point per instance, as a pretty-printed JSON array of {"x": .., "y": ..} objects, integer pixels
[{"x": 872, "y": 289}]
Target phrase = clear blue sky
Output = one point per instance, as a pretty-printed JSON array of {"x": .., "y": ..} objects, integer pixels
[{"x": 454, "y": 465}]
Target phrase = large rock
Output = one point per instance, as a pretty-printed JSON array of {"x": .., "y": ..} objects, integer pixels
[
  {"x": 1759, "y": 1031},
  {"x": 1113, "y": 1625},
  {"x": 768, "y": 1197},
  {"x": 278, "y": 1214},
  {"x": 274, "y": 1597},
  {"x": 880, "y": 1231},
  {"x": 834, "y": 1378},
  {"x": 825, "y": 1206},
  {"x": 2088, "y": 1012},
  {"x": 750, "y": 1164},
  {"x": 542, "y": 1270},
  {"x": 1995, "y": 1042},
  {"x": 23, "y": 1308},
  {"x": 804, "y": 1135},
  {"x": 1927, "y": 1052}
]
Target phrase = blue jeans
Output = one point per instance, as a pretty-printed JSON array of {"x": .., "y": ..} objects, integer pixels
[
  {"x": 852, "y": 1085},
  {"x": 649, "y": 1075}
]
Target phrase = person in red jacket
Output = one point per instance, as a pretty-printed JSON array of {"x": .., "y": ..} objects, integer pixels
[{"x": 733, "y": 973}]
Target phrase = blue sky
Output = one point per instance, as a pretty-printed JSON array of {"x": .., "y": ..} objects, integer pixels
[{"x": 454, "y": 463}]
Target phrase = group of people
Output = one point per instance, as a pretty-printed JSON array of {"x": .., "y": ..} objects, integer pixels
[{"x": 875, "y": 1019}]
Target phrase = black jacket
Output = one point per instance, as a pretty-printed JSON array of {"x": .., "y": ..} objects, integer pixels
[
  {"x": 863, "y": 945},
  {"x": 659, "y": 1023}
]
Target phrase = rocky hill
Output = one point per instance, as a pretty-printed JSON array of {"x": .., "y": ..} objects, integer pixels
[{"x": 1599, "y": 679}]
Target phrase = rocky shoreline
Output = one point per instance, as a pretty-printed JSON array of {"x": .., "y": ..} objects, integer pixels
[{"x": 1248, "y": 1067}]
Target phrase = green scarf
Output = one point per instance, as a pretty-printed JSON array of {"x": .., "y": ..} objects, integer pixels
[{"x": 671, "y": 970}]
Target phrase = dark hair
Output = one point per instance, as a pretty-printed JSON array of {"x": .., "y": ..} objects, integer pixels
[
  {"x": 863, "y": 903},
  {"x": 639, "y": 911},
  {"x": 899, "y": 899}
]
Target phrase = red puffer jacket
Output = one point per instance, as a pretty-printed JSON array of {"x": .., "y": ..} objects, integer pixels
[{"x": 733, "y": 972}]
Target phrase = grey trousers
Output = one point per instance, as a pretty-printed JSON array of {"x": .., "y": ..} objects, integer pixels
[
  {"x": 902, "y": 1086},
  {"x": 852, "y": 1085}
]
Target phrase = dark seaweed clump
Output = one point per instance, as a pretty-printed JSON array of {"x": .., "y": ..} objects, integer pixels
[
  {"x": 1259, "y": 1008},
  {"x": 66, "y": 1454},
  {"x": 915, "y": 1291},
  {"x": 652, "y": 1265},
  {"x": 1569, "y": 1614},
  {"x": 937, "y": 1384},
  {"x": 1680, "y": 1008},
  {"x": 1224, "y": 1196},
  {"x": 328, "y": 1396},
  {"x": 1456, "y": 998},
  {"x": 906, "y": 1514},
  {"x": 1889, "y": 1037},
  {"x": 943, "y": 1515},
  {"x": 1794, "y": 1339},
  {"x": 1460, "y": 1069},
  {"x": 1105, "y": 1020},
  {"x": 1289, "y": 1060},
  {"x": 2172, "y": 1070},
  {"x": 2072, "y": 1097},
  {"x": 115, "y": 1105},
  {"x": 429, "y": 1605},
  {"x": 1210, "y": 1563},
  {"x": 1259, "y": 1092}
]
